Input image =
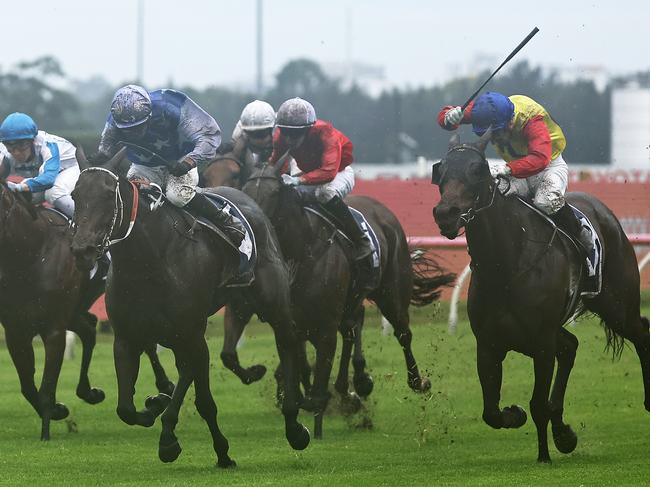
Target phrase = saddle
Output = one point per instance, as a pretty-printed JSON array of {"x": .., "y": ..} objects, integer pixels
[{"x": 346, "y": 243}]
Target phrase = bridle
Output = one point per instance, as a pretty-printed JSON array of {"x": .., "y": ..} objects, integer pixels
[
  {"x": 118, "y": 210},
  {"x": 474, "y": 210}
]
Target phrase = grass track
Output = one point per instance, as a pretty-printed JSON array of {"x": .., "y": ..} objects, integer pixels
[{"x": 438, "y": 439}]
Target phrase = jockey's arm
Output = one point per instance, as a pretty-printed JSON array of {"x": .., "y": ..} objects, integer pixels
[
  {"x": 51, "y": 166},
  {"x": 330, "y": 163},
  {"x": 539, "y": 150},
  {"x": 198, "y": 126},
  {"x": 109, "y": 142},
  {"x": 467, "y": 116}
]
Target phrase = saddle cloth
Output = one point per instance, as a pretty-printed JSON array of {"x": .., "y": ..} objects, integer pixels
[{"x": 247, "y": 249}]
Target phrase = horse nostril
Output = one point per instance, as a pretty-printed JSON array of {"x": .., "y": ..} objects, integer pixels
[{"x": 446, "y": 213}]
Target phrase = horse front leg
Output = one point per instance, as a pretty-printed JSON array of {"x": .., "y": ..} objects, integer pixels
[
  {"x": 163, "y": 384},
  {"x": 490, "y": 372},
  {"x": 22, "y": 354},
  {"x": 127, "y": 367},
  {"x": 319, "y": 397},
  {"x": 362, "y": 380},
  {"x": 168, "y": 447},
  {"x": 564, "y": 437},
  {"x": 351, "y": 401},
  {"x": 54, "y": 342},
  {"x": 84, "y": 326},
  {"x": 234, "y": 322},
  {"x": 544, "y": 363}
]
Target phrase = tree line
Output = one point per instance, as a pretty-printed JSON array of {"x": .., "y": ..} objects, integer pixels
[{"x": 378, "y": 126}]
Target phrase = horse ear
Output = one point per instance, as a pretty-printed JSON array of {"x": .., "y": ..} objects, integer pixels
[
  {"x": 82, "y": 159},
  {"x": 454, "y": 141},
  {"x": 484, "y": 140},
  {"x": 114, "y": 162}
]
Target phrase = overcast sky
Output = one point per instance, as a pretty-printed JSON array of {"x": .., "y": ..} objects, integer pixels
[{"x": 416, "y": 42}]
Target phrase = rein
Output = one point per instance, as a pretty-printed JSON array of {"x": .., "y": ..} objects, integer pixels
[{"x": 118, "y": 210}]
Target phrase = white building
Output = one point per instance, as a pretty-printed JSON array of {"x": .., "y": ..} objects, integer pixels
[{"x": 631, "y": 128}]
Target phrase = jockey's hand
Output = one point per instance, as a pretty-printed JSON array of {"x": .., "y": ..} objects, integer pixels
[
  {"x": 180, "y": 168},
  {"x": 500, "y": 169},
  {"x": 289, "y": 180},
  {"x": 454, "y": 116},
  {"x": 17, "y": 187}
]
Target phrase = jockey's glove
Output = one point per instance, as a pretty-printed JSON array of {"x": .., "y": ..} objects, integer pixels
[
  {"x": 17, "y": 187},
  {"x": 289, "y": 180},
  {"x": 179, "y": 168},
  {"x": 500, "y": 169},
  {"x": 454, "y": 116}
]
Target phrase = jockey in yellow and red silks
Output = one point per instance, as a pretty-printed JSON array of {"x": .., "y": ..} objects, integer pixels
[{"x": 530, "y": 143}]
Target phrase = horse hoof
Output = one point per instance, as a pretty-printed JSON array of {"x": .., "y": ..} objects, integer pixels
[
  {"x": 421, "y": 384},
  {"x": 564, "y": 438},
  {"x": 169, "y": 453},
  {"x": 514, "y": 417},
  {"x": 157, "y": 404},
  {"x": 545, "y": 460},
  {"x": 350, "y": 403},
  {"x": 92, "y": 396},
  {"x": 363, "y": 384},
  {"x": 253, "y": 374},
  {"x": 59, "y": 412},
  {"x": 226, "y": 462},
  {"x": 166, "y": 387},
  {"x": 299, "y": 438}
]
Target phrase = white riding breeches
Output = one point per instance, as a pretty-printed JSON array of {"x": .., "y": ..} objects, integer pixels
[
  {"x": 340, "y": 186},
  {"x": 546, "y": 188},
  {"x": 63, "y": 184},
  {"x": 178, "y": 190}
]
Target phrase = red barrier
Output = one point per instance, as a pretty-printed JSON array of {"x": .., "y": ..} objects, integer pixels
[{"x": 460, "y": 242}]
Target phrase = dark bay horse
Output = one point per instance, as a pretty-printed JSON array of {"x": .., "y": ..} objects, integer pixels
[
  {"x": 224, "y": 170},
  {"x": 323, "y": 299},
  {"x": 167, "y": 277},
  {"x": 525, "y": 274}
]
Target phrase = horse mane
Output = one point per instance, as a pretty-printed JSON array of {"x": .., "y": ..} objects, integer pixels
[{"x": 225, "y": 148}]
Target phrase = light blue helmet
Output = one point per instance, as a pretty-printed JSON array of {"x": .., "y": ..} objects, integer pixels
[
  {"x": 18, "y": 126},
  {"x": 131, "y": 106},
  {"x": 491, "y": 109}
]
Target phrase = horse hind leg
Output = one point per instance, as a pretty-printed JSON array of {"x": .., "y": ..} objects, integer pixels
[
  {"x": 84, "y": 327},
  {"x": 204, "y": 402},
  {"x": 397, "y": 314},
  {"x": 544, "y": 362},
  {"x": 564, "y": 437},
  {"x": 349, "y": 330},
  {"x": 234, "y": 322},
  {"x": 363, "y": 382},
  {"x": 163, "y": 384}
]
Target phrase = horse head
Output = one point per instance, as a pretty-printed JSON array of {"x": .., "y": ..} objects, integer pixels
[
  {"x": 97, "y": 200},
  {"x": 462, "y": 177},
  {"x": 265, "y": 186}
]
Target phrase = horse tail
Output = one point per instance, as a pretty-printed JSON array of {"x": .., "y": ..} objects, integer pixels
[{"x": 428, "y": 278}]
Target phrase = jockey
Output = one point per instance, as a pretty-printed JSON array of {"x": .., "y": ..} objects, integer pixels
[
  {"x": 531, "y": 143},
  {"x": 167, "y": 136},
  {"x": 324, "y": 155},
  {"x": 253, "y": 135},
  {"x": 48, "y": 162}
]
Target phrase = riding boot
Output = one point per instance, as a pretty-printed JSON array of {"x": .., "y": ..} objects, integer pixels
[
  {"x": 567, "y": 220},
  {"x": 232, "y": 227},
  {"x": 337, "y": 207}
]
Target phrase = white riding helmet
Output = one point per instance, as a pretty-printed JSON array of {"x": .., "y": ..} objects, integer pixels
[
  {"x": 296, "y": 113},
  {"x": 257, "y": 115}
]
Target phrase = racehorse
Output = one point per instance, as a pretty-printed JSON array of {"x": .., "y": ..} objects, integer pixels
[
  {"x": 324, "y": 298},
  {"x": 167, "y": 277},
  {"x": 224, "y": 170},
  {"x": 42, "y": 293},
  {"x": 525, "y": 282}
]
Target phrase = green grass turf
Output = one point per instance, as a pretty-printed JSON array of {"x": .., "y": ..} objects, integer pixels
[{"x": 434, "y": 439}]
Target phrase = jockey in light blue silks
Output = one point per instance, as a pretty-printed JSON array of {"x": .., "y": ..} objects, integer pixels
[
  {"x": 170, "y": 135},
  {"x": 48, "y": 162}
]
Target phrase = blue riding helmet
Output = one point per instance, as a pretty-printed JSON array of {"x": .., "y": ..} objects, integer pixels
[
  {"x": 18, "y": 126},
  {"x": 131, "y": 106},
  {"x": 491, "y": 109}
]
